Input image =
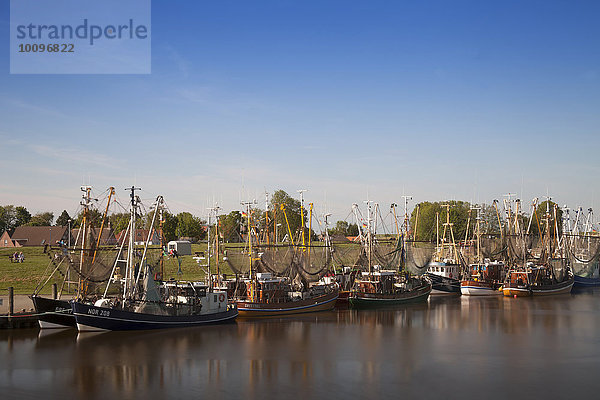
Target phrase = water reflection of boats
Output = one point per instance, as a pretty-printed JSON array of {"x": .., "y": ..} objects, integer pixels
[{"x": 52, "y": 337}]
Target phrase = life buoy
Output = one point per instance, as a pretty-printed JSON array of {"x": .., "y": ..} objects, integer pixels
[{"x": 221, "y": 297}]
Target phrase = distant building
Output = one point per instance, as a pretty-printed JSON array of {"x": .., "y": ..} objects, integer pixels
[
  {"x": 140, "y": 237},
  {"x": 107, "y": 237},
  {"x": 6, "y": 241},
  {"x": 38, "y": 235}
]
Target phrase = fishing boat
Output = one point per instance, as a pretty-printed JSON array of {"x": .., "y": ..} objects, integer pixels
[
  {"x": 582, "y": 242},
  {"x": 82, "y": 266},
  {"x": 544, "y": 271},
  {"x": 266, "y": 294},
  {"x": 444, "y": 270},
  {"x": 537, "y": 281},
  {"x": 169, "y": 305},
  {"x": 269, "y": 296},
  {"x": 380, "y": 287},
  {"x": 141, "y": 303},
  {"x": 517, "y": 284},
  {"x": 444, "y": 276},
  {"x": 484, "y": 277},
  {"x": 586, "y": 274}
]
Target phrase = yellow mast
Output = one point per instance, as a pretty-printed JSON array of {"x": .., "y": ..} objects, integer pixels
[
  {"x": 301, "y": 191},
  {"x": 288, "y": 224},
  {"x": 416, "y": 223},
  {"x": 310, "y": 227},
  {"x": 84, "y": 223},
  {"x": 393, "y": 206}
]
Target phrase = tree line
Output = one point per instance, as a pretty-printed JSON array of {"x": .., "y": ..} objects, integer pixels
[{"x": 285, "y": 216}]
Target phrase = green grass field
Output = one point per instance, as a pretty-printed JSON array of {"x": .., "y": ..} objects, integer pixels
[{"x": 24, "y": 277}]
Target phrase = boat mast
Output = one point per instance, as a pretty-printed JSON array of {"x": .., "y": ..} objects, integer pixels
[
  {"x": 143, "y": 266},
  {"x": 310, "y": 206},
  {"x": 130, "y": 268},
  {"x": 111, "y": 193},
  {"x": 217, "y": 245},
  {"x": 416, "y": 223},
  {"x": 162, "y": 244},
  {"x": 478, "y": 232},
  {"x": 405, "y": 234},
  {"x": 301, "y": 191},
  {"x": 86, "y": 200},
  {"x": 210, "y": 282},
  {"x": 393, "y": 207},
  {"x": 247, "y": 204},
  {"x": 406, "y": 200},
  {"x": 212, "y": 210},
  {"x": 437, "y": 234},
  {"x": 327, "y": 238},
  {"x": 266, "y": 217},
  {"x": 369, "y": 236}
]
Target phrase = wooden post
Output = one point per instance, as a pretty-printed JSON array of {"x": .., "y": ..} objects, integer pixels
[
  {"x": 11, "y": 301},
  {"x": 54, "y": 291}
]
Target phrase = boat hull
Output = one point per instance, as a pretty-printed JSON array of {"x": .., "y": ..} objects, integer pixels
[
  {"x": 92, "y": 318},
  {"x": 516, "y": 291},
  {"x": 53, "y": 313},
  {"x": 248, "y": 309},
  {"x": 376, "y": 300},
  {"x": 342, "y": 300},
  {"x": 476, "y": 288},
  {"x": 444, "y": 285},
  {"x": 555, "y": 289}
]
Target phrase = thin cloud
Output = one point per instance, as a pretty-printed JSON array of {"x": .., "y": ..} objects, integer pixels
[{"x": 33, "y": 107}]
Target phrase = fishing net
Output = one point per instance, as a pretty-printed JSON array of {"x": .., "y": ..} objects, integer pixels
[
  {"x": 583, "y": 252},
  {"x": 492, "y": 247},
  {"x": 348, "y": 254},
  {"x": 418, "y": 256},
  {"x": 558, "y": 268}
]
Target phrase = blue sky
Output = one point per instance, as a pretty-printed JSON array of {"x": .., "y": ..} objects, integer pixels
[{"x": 463, "y": 100}]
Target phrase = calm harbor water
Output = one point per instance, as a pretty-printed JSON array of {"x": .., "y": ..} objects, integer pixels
[{"x": 463, "y": 347}]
